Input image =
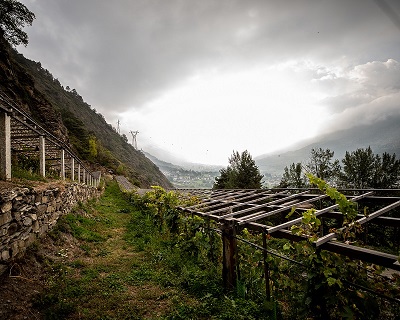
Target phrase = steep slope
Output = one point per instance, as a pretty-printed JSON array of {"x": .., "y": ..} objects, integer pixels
[
  {"x": 382, "y": 136},
  {"x": 65, "y": 113}
]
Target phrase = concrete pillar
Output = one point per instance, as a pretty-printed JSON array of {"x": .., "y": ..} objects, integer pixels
[
  {"x": 5, "y": 146},
  {"x": 79, "y": 173},
  {"x": 42, "y": 156},
  {"x": 62, "y": 164},
  {"x": 72, "y": 169}
]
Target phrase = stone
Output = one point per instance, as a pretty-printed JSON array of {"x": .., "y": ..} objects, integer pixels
[
  {"x": 25, "y": 208},
  {"x": 35, "y": 226},
  {"x": 9, "y": 196},
  {"x": 5, "y": 255},
  {"x": 14, "y": 248},
  {"x": 5, "y": 218},
  {"x": 27, "y": 222},
  {"x": 3, "y": 268},
  {"x": 7, "y": 206},
  {"x": 13, "y": 228},
  {"x": 16, "y": 215},
  {"x": 41, "y": 208},
  {"x": 3, "y": 231}
]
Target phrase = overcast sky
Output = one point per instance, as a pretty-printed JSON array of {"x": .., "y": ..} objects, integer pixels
[{"x": 203, "y": 78}]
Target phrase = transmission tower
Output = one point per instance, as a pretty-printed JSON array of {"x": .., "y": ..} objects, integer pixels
[
  {"x": 134, "y": 141},
  {"x": 118, "y": 126}
]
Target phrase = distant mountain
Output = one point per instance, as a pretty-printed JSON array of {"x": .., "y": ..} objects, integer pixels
[{"x": 382, "y": 136}]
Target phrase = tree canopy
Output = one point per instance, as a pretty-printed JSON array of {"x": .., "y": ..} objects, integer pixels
[
  {"x": 13, "y": 17},
  {"x": 241, "y": 173},
  {"x": 322, "y": 165},
  {"x": 361, "y": 169}
]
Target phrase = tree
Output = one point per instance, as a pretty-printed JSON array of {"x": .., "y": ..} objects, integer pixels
[
  {"x": 293, "y": 177},
  {"x": 387, "y": 173},
  {"x": 363, "y": 169},
  {"x": 322, "y": 166},
  {"x": 241, "y": 173},
  {"x": 13, "y": 17}
]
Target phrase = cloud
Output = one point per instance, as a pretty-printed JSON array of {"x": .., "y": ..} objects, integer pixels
[
  {"x": 374, "y": 95},
  {"x": 269, "y": 67},
  {"x": 122, "y": 54}
]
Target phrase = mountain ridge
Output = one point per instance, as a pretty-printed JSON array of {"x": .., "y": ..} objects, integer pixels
[
  {"x": 382, "y": 136},
  {"x": 64, "y": 113}
]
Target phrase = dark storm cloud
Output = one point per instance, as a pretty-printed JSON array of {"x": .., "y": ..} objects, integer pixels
[{"x": 121, "y": 54}]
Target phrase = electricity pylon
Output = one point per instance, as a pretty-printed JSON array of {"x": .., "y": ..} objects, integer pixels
[{"x": 134, "y": 141}]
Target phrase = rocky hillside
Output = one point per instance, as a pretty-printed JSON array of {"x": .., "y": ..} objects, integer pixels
[{"x": 64, "y": 112}]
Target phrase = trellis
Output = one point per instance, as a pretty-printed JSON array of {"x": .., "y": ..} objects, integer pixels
[
  {"x": 21, "y": 134},
  {"x": 265, "y": 210}
]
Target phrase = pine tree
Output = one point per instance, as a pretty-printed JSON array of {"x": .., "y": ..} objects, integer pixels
[{"x": 241, "y": 173}]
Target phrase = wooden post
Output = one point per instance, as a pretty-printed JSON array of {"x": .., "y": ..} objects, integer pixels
[
  {"x": 266, "y": 268},
  {"x": 229, "y": 244},
  {"x": 83, "y": 176},
  {"x": 79, "y": 173},
  {"x": 5, "y": 146},
  {"x": 42, "y": 156},
  {"x": 62, "y": 164}
]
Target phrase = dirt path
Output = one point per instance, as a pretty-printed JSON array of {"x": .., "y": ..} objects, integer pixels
[
  {"x": 124, "y": 183},
  {"x": 85, "y": 269}
]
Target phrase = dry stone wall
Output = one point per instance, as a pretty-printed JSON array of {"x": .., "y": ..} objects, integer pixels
[{"x": 28, "y": 213}]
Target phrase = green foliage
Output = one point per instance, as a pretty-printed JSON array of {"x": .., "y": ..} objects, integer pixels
[
  {"x": 241, "y": 173},
  {"x": 358, "y": 168},
  {"x": 363, "y": 169},
  {"x": 293, "y": 177},
  {"x": 13, "y": 17},
  {"x": 185, "y": 254},
  {"x": 78, "y": 133},
  {"x": 348, "y": 208},
  {"x": 327, "y": 292},
  {"x": 92, "y": 147},
  {"x": 25, "y": 167},
  {"x": 322, "y": 166}
]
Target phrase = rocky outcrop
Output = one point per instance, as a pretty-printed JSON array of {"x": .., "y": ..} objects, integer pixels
[{"x": 27, "y": 213}]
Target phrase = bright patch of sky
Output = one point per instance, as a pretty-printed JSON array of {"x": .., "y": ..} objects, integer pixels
[
  {"x": 199, "y": 79},
  {"x": 211, "y": 114}
]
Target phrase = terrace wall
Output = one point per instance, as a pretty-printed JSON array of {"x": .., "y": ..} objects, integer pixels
[{"x": 28, "y": 213}]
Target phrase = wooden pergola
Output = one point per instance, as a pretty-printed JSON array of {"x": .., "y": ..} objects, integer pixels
[
  {"x": 20, "y": 134},
  {"x": 265, "y": 210}
]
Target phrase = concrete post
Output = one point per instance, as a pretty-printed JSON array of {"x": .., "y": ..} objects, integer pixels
[
  {"x": 42, "y": 156},
  {"x": 5, "y": 146},
  {"x": 83, "y": 176},
  {"x": 72, "y": 169},
  {"x": 62, "y": 164},
  {"x": 79, "y": 173}
]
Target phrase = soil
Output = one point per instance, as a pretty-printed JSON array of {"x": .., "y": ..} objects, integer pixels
[{"x": 26, "y": 278}]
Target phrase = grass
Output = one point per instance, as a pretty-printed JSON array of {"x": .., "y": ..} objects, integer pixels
[{"x": 123, "y": 268}]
